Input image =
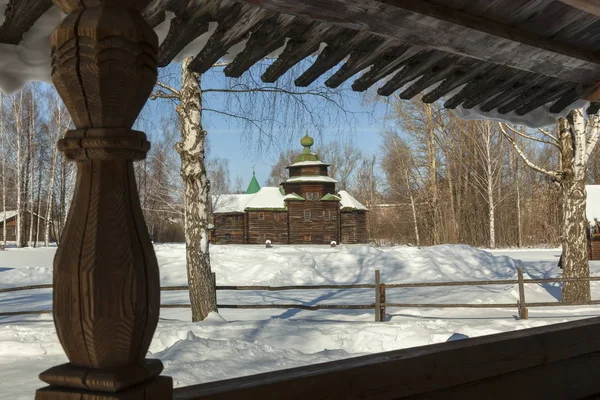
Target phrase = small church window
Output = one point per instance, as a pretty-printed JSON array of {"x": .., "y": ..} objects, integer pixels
[
  {"x": 312, "y": 196},
  {"x": 227, "y": 236},
  {"x": 307, "y": 238},
  {"x": 261, "y": 216},
  {"x": 326, "y": 215},
  {"x": 223, "y": 219},
  {"x": 307, "y": 215},
  {"x": 235, "y": 219}
]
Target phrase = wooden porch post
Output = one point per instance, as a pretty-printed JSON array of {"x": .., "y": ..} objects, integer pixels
[{"x": 106, "y": 282}]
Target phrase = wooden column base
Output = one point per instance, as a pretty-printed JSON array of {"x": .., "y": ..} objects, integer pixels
[{"x": 131, "y": 382}]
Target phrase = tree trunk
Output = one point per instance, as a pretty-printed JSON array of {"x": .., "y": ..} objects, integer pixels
[
  {"x": 50, "y": 199},
  {"x": 413, "y": 208},
  {"x": 575, "y": 225},
  {"x": 432, "y": 174},
  {"x": 4, "y": 152},
  {"x": 19, "y": 183},
  {"x": 203, "y": 296},
  {"x": 490, "y": 191}
]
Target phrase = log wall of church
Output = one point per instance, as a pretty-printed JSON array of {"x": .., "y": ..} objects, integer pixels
[
  {"x": 353, "y": 227},
  {"x": 309, "y": 171},
  {"x": 321, "y": 228},
  {"x": 229, "y": 229},
  {"x": 267, "y": 225}
]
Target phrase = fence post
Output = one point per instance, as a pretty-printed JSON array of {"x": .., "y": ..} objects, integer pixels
[
  {"x": 382, "y": 302},
  {"x": 523, "y": 313},
  {"x": 214, "y": 278},
  {"x": 377, "y": 296}
]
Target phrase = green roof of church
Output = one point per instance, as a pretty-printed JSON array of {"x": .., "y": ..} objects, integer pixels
[
  {"x": 306, "y": 154},
  {"x": 253, "y": 187}
]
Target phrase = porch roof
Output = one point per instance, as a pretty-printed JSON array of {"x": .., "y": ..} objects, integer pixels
[{"x": 519, "y": 60}]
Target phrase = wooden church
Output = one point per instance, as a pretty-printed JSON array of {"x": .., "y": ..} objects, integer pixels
[{"x": 306, "y": 209}]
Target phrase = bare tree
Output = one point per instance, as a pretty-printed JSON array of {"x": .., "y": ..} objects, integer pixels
[
  {"x": 190, "y": 108},
  {"x": 576, "y": 140}
]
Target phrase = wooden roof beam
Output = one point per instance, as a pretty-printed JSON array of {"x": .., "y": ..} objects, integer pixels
[
  {"x": 434, "y": 26},
  {"x": 181, "y": 33},
  {"x": 269, "y": 37},
  {"x": 297, "y": 49},
  {"x": 390, "y": 61},
  {"x": 332, "y": 55},
  {"x": 234, "y": 28},
  {"x": 20, "y": 15},
  {"x": 415, "y": 67},
  {"x": 589, "y": 6},
  {"x": 360, "y": 58}
]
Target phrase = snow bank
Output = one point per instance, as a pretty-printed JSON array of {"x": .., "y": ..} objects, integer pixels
[{"x": 241, "y": 342}]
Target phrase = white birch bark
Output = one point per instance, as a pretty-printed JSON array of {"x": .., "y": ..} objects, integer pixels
[
  {"x": 414, "y": 210},
  {"x": 196, "y": 196},
  {"x": 31, "y": 155},
  {"x": 58, "y": 124},
  {"x": 19, "y": 183},
  {"x": 574, "y": 234},
  {"x": 490, "y": 187}
]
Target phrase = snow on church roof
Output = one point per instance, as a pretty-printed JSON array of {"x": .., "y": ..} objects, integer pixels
[
  {"x": 230, "y": 203},
  {"x": 307, "y": 163},
  {"x": 350, "y": 203},
  {"x": 312, "y": 178},
  {"x": 267, "y": 198}
]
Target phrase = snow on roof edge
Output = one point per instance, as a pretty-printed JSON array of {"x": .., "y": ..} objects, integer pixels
[{"x": 349, "y": 202}]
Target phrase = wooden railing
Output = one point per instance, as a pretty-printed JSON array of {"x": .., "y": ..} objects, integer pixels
[
  {"x": 555, "y": 362},
  {"x": 552, "y": 362},
  {"x": 380, "y": 293}
]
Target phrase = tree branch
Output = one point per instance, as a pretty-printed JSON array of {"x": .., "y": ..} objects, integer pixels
[
  {"x": 554, "y": 174},
  {"x": 548, "y": 134},
  {"x": 169, "y": 88},
  {"x": 553, "y": 143}
]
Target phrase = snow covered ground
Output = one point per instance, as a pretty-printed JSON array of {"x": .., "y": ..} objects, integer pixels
[{"x": 241, "y": 342}]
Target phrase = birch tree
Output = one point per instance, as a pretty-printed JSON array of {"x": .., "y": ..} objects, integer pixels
[
  {"x": 576, "y": 140},
  {"x": 191, "y": 148}
]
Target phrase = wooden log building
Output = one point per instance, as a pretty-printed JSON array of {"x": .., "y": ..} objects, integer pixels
[
  {"x": 306, "y": 209},
  {"x": 10, "y": 219},
  {"x": 525, "y": 61}
]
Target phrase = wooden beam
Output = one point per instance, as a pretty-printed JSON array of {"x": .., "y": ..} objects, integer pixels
[
  {"x": 267, "y": 38},
  {"x": 361, "y": 57},
  {"x": 414, "y": 68},
  {"x": 434, "y": 26},
  {"x": 458, "y": 77},
  {"x": 20, "y": 15},
  {"x": 589, "y": 6},
  {"x": 330, "y": 56},
  {"x": 436, "y": 367},
  {"x": 297, "y": 49},
  {"x": 388, "y": 62},
  {"x": 181, "y": 33},
  {"x": 234, "y": 27}
]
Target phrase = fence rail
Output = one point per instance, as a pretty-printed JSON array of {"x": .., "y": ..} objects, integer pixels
[{"x": 380, "y": 306}]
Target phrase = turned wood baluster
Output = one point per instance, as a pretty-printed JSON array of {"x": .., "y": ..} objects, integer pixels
[{"x": 106, "y": 282}]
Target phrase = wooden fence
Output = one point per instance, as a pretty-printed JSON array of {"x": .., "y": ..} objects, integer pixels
[{"x": 380, "y": 291}]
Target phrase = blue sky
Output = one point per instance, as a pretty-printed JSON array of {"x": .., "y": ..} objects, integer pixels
[{"x": 231, "y": 139}]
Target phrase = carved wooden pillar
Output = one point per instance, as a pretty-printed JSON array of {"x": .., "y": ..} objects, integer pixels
[{"x": 106, "y": 282}]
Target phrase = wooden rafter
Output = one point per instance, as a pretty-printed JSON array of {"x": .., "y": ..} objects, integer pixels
[
  {"x": 589, "y": 6},
  {"x": 429, "y": 25}
]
